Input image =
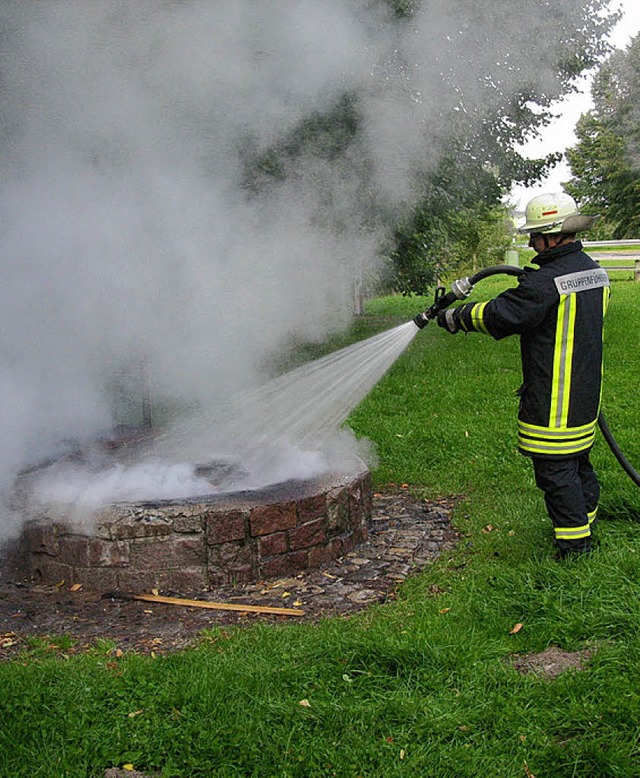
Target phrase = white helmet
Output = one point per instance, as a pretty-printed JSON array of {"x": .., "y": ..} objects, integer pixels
[{"x": 555, "y": 212}]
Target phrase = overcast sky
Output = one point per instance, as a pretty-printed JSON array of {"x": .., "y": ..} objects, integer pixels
[{"x": 560, "y": 135}]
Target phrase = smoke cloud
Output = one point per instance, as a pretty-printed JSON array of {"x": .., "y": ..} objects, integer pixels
[{"x": 134, "y": 257}]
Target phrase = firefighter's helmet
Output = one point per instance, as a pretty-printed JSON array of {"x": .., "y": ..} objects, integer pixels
[{"x": 555, "y": 212}]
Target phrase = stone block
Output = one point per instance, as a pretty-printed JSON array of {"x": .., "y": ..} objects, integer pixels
[
  {"x": 338, "y": 510},
  {"x": 170, "y": 553},
  {"x": 286, "y": 564},
  {"x": 190, "y": 579},
  {"x": 311, "y": 534},
  {"x": 320, "y": 555},
  {"x": 267, "y": 519},
  {"x": 96, "y": 579},
  {"x": 232, "y": 562},
  {"x": 49, "y": 570},
  {"x": 360, "y": 502},
  {"x": 349, "y": 542},
  {"x": 133, "y": 527},
  {"x": 42, "y": 538},
  {"x": 188, "y": 523},
  {"x": 273, "y": 545},
  {"x": 81, "y": 551},
  {"x": 311, "y": 508},
  {"x": 226, "y": 526},
  {"x": 136, "y": 581}
]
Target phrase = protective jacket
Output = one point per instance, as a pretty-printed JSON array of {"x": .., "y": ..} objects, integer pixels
[{"x": 558, "y": 312}]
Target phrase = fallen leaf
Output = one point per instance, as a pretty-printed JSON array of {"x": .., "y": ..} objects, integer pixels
[
  {"x": 128, "y": 767},
  {"x": 75, "y": 588},
  {"x": 488, "y": 528},
  {"x": 298, "y": 603},
  {"x": 444, "y": 610},
  {"x": 305, "y": 703},
  {"x": 148, "y": 610},
  {"x": 527, "y": 771},
  {"x": 328, "y": 575},
  {"x": 119, "y": 652},
  {"x": 402, "y": 753},
  {"x": 285, "y": 595},
  {"x": 511, "y": 533},
  {"x": 516, "y": 628},
  {"x": 134, "y": 713},
  {"x": 156, "y": 592}
]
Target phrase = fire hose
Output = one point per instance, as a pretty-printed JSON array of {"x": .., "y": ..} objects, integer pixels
[{"x": 460, "y": 290}]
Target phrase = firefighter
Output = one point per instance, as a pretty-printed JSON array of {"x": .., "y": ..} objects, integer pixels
[{"x": 557, "y": 310}]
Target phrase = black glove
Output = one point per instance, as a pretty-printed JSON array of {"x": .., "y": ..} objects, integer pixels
[{"x": 449, "y": 320}]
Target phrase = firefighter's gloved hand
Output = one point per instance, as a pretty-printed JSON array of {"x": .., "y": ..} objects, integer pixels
[{"x": 450, "y": 320}]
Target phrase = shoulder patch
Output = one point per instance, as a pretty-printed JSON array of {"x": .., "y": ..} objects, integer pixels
[{"x": 582, "y": 281}]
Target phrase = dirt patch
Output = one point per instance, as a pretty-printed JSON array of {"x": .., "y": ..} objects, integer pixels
[
  {"x": 407, "y": 534},
  {"x": 551, "y": 662}
]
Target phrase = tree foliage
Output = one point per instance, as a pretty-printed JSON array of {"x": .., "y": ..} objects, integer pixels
[
  {"x": 473, "y": 91},
  {"x": 605, "y": 163},
  {"x": 459, "y": 221}
]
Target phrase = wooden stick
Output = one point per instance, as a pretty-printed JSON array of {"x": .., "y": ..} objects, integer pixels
[{"x": 229, "y": 606}]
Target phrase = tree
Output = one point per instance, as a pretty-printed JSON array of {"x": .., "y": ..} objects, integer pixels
[
  {"x": 605, "y": 163},
  {"x": 465, "y": 97},
  {"x": 459, "y": 221}
]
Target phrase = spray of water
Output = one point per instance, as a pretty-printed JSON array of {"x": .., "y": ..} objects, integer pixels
[
  {"x": 304, "y": 407},
  {"x": 287, "y": 428}
]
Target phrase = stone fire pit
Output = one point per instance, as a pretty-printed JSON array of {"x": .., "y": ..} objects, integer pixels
[{"x": 198, "y": 543}]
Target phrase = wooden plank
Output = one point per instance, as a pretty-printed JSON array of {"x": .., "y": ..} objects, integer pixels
[{"x": 229, "y": 606}]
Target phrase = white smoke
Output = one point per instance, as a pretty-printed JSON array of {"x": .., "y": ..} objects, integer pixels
[{"x": 132, "y": 258}]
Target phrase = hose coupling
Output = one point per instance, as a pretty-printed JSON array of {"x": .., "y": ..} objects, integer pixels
[{"x": 462, "y": 288}]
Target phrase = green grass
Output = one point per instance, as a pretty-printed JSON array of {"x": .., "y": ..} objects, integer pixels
[{"x": 422, "y": 686}]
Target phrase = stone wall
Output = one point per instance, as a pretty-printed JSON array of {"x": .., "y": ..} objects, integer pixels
[{"x": 196, "y": 544}]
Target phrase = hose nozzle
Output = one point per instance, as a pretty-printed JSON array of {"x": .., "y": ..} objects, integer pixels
[
  {"x": 421, "y": 320},
  {"x": 459, "y": 290}
]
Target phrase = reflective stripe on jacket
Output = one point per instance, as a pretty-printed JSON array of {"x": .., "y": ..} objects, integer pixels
[{"x": 558, "y": 312}]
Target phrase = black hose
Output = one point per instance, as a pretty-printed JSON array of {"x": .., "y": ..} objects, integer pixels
[
  {"x": 616, "y": 451},
  {"x": 508, "y": 270},
  {"x": 459, "y": 291}
]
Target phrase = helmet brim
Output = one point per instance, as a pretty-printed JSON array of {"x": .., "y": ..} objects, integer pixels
[{"x": 577, "y": 222}]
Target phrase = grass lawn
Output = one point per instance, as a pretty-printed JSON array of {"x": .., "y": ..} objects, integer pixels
[{"x": 423, "y": 685}]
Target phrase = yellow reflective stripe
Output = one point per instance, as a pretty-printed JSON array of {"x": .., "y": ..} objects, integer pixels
[
  {"x": 570, "y": 440},
  {"x": 536, "y": 447},
  {"x": 606, "y": 292},
  {"x": 606, "y": 296},
  {"x": 573, "y": 533},
  {"x": 476, "y": 317},
  {"x": 592, "y": 516},
  {"x": 534, "y": 430},
  {"x": 562, "y": 361},
  {"x": 568, "y": 348}
]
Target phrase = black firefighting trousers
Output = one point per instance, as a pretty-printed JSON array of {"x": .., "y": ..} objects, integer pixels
[{"x": 571, "y": 492}]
